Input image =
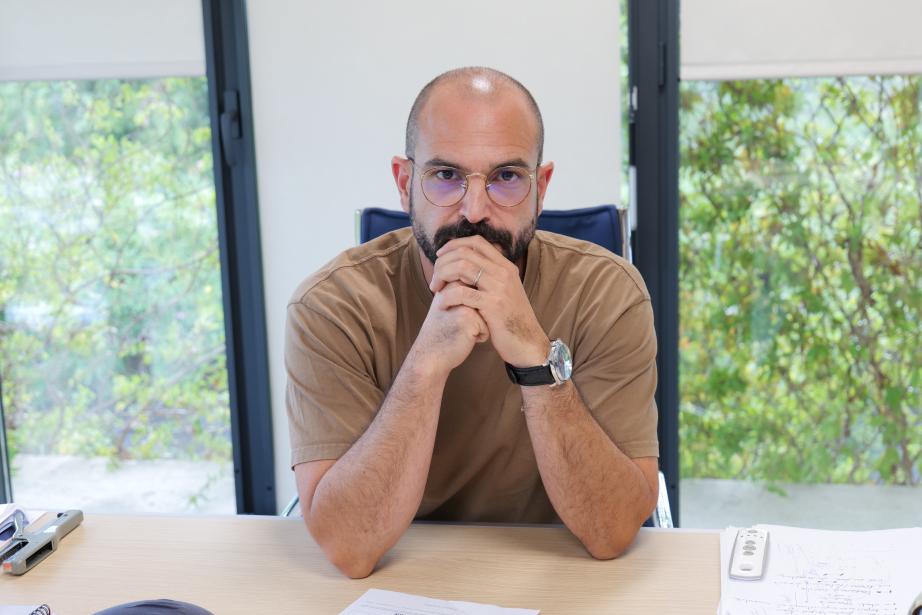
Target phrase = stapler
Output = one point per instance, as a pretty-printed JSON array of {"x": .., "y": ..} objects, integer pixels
[{"x": 26, "y": 548}]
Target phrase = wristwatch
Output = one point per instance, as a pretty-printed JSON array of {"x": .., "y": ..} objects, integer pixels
[{"x": 554, "y": 371}]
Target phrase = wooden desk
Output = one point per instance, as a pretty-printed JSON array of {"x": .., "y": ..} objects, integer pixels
[{"x": 262, "y": 565}]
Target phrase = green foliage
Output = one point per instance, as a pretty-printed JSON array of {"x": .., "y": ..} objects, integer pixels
[
  {"x": 800, "y": 289},
  {"x": 111, "y": 319}
]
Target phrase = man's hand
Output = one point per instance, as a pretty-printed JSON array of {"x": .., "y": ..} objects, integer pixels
[
  {"x": 499, "y": 297},
  {"x": 450, "y": 330}
]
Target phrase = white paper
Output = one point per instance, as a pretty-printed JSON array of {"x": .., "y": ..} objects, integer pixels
[
  {"x": 383, "y": 602},
  {"x": 822, "y": 572}
]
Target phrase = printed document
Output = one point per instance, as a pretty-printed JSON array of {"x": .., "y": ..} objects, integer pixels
[
  {"x": 814, "y": 572},
  {"x": 383, "y": 602}
]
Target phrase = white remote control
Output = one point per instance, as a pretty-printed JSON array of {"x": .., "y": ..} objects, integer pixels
[{"x": 749, "y": 552}]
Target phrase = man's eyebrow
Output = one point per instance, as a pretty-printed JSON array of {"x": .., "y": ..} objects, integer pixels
[{"x": 441, "y": 162}]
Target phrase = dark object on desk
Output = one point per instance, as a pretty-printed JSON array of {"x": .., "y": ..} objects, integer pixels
[
  {"x": 27, "y": 548},
  {"x": 155, "y": 607}
]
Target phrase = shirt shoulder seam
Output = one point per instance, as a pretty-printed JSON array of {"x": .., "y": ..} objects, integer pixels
[
  {"x": 612, "y": 258},
  {"x": 326, "y": 276}
]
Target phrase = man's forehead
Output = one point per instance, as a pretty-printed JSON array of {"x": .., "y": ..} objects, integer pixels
[{"x": 461, "y": 119}]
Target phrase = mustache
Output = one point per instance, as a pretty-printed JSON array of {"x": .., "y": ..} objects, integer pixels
[{"x": 465, "y": 228}]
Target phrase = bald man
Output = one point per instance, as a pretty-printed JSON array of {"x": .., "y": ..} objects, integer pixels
[{"x": 471, "y": 368}]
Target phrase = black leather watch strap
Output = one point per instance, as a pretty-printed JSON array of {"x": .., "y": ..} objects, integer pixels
[{"x": 530, "y": 376}]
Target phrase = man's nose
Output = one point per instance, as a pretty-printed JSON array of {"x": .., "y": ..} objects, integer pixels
[{"x": 475, "y": 206}]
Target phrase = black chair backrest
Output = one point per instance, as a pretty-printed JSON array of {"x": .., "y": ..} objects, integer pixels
[{"x": 600, "y": 224}]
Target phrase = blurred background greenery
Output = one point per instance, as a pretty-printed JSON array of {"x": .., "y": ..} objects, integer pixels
[
  {"x": 111, "y": 316},
  {"x": 801, "y": 280}
]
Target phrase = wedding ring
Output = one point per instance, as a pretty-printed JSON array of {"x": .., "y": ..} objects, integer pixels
[{"x": 477, "y": 279}]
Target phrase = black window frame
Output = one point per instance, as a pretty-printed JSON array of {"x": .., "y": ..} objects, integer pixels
[
  {"x": 6, "y": 486},
  {"x": 231, "y": 109},
  {"x": 653, "y": 99}
]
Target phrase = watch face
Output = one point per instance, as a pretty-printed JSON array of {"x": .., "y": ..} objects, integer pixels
[{"x": 560, "y": 361}]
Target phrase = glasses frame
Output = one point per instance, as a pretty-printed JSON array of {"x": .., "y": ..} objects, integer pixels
[{"x": 532, "y": 174}]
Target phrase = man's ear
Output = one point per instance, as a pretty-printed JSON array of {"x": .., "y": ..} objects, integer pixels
[
  {"x": 543, "y": 178},
  {"x": 402, "y": 169}
]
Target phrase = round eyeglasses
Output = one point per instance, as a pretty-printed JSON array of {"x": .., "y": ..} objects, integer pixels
[{"x": 506, "y": 186}]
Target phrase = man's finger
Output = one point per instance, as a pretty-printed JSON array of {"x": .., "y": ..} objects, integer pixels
[
  {"x": 455, "y": 294},
  {"x": 468, "y": 270},
  {"x": 475, "y": 243}
]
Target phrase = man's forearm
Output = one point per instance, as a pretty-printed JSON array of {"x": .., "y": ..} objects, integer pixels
[
  {"x": 600, "y": 494},
  {"x": 365, "y": 502}
]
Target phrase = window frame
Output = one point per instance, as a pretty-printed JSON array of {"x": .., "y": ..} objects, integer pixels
[
  {"x": 233, "y": 146},
  {"x": 653, "y": 99}
]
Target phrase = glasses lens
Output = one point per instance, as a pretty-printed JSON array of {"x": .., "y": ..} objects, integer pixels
[
  {"x": 508, "y": 186},
  {"x": 443, "y": 186}
]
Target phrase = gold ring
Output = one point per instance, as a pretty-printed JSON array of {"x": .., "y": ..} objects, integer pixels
[{"x": 477, "y": 279}]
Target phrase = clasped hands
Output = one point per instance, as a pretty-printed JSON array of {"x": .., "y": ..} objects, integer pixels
[{"x": 495, "y": 308}]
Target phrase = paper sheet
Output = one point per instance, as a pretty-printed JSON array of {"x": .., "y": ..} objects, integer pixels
[
  {"x": 35, "y": 609},
  {"x": 821, "y": 572},
  {"x": 383, "y": 602}
]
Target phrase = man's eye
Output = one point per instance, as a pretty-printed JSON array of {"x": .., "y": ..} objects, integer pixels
[
  {"x": 446, "y": 175},
  {"x": 508, "y": 175}
]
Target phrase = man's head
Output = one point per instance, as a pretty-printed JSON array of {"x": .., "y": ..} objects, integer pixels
[{"x": 484, "y": 125}]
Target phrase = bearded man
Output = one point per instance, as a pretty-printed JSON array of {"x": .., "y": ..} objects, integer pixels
[{"x": 472, "y": 368}]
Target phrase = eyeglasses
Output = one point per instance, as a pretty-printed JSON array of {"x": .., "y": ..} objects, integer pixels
[{"x": 446, "y": 186}]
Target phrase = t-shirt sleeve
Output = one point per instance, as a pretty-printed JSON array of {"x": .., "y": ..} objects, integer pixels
[
  {"x": 331, "y": 396},
  {"x": 615, "y": 370}
]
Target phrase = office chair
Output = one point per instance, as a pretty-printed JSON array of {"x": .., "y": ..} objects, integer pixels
[{"x": 605, "y": 225}]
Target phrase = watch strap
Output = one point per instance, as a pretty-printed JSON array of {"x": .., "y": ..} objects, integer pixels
[{"x": 530, "y": 376}]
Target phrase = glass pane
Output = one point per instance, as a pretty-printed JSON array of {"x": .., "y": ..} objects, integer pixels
[
  {"x": 111, "y": 320},
  {"x": 801, "y": 298}
]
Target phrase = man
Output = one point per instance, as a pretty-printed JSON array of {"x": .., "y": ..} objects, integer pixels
[{"x": 399, "y": 402}]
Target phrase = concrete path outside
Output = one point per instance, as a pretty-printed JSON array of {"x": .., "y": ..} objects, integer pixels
[
  {"x": 717, "y": 503},
  {"x": 49, "y": 482},
  {"x": 53, "y": 482}
]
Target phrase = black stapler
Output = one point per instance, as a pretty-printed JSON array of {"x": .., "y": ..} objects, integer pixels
[{"x": 26, "y": 548}]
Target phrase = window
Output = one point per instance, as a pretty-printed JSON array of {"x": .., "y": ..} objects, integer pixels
[
  {"x": 112, "y": 339},
  {"x": 128, "y": 256},
  {"x": 800, "y": 290}
]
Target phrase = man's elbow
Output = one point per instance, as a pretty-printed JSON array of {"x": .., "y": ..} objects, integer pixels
[
  {"x": 343, "y": 554},
  {"x": 613, "y": 542},
  {"x": 609, "y": 548},
  {"x": 352, "y": 565}
]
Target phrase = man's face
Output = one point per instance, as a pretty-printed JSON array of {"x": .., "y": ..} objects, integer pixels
[{"x": 475, "y": 134}]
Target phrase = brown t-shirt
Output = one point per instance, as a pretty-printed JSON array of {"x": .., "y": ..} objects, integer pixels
[{"x": 351, "y": 324}]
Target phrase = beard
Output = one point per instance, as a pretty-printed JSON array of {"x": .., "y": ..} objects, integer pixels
[{"x": 512, "y": 247}]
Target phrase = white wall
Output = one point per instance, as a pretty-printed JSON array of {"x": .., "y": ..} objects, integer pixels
[{"x": 333, "y": 83}]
